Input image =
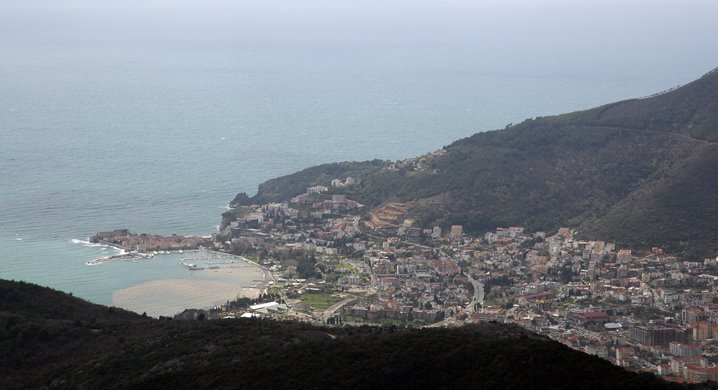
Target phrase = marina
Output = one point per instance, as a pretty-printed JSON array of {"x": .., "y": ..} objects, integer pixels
[
  {"x": 215, "y": 261},
  {"x": 163, "y": 283}
]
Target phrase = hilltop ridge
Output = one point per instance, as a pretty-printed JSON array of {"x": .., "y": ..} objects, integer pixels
[{"x": 52, "y": 340}]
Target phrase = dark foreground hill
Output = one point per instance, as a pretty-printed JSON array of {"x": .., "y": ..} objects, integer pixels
[
  {"x": 642, "y": 172},
  {"x": 51, "y": 340}
]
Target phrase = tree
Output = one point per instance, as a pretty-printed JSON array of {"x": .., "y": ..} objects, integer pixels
[{"x": 305, "y": 266}]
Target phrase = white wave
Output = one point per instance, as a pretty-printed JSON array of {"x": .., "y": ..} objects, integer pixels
[
  {"x": 89, "y": 244},
  {"x": 19, "y": 239}
]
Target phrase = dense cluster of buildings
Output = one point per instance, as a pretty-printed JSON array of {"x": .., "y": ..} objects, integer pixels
[{"x": 144, "y": 243}]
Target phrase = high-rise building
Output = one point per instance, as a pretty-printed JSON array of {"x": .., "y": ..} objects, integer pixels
[{"x": 653, "y": 334}]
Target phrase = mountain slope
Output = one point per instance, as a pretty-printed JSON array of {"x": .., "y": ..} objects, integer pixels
[
  {"x": 283, "y": 188},
  {"x": 642, "y": 172},
  {"x": 690, "y": 110},
  {"x": 99, "y": 347}
]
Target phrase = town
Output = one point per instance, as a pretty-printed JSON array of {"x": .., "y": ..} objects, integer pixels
[{"x": 334, "y": 262}]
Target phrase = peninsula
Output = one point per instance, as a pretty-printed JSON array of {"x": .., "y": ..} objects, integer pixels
[{"x": 143, "y": 242}]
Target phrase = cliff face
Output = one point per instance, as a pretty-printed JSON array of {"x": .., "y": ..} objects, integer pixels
[
  {"x": 50, "y": 339},
  {"x": 641, "y": 172}
]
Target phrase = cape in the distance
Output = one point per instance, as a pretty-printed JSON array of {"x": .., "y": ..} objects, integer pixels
[{"x": 641, "y": 172}]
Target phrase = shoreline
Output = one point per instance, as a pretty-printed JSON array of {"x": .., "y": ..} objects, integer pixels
[
  {"x": 167, "y": 297},
  {"x": 228, "y": 278},
  {"x": 215, "y": 277}
]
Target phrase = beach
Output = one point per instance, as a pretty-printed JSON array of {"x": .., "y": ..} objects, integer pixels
[
  {"x": 172, "y": 296},
  {"x": 207, "y": 288}
]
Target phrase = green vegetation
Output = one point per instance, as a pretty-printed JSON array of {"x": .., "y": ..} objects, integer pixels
[
  {"x": 386, "y": 322},
  {"x": 639, "y": 172},
  {"x": 306, "y": 266},
  {"x": 650, "y": 313},
  {"x": 234, "y": 214},
  {"x": 350, "y": 268},
  {"x": 319, "y": 301},
  {"x": 285, "y": 187}
]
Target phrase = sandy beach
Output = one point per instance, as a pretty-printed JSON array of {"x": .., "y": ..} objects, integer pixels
[
  {"x": 167, "y": 297},
  {"x": 171, "y": 296}
]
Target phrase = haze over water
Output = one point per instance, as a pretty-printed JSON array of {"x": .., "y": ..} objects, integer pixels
[{"x": 153, "y": 115}]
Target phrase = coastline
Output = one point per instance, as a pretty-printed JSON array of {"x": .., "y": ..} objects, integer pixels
[
  {"x": 228, "y": 278},
  {"x": 168, "y": 297}
]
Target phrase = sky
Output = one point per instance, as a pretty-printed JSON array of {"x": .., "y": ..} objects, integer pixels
[
  {"x": 546, "y": 37},
  {"x": 371, "y": 22},
  {"x": 549, "y": 39}
]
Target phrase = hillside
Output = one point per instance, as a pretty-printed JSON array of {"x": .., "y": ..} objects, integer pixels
[
  {"x": 52, "y": 340},
  {"x": 285, "y": 187},
  {"x": 641, "y": 172}
]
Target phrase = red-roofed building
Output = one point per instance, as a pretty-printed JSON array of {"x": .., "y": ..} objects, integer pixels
[
  {"x": 590, "y": 318},
  {"x": 446, "y": 267},
  {"x": 533, "y": 297},
  {"x": 700, "y": 373}
]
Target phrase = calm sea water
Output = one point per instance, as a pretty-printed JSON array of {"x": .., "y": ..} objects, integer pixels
[{"x": 159, "y": 136}]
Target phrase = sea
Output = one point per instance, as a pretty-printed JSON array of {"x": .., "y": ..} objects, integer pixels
[{"x": 104, "y": 128}]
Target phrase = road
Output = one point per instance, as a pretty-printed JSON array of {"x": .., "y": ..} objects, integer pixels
[
  {"x": 478, "y": 294},
  {"x": 655, "y": 132},
  {"x": 327, "y": 314}
]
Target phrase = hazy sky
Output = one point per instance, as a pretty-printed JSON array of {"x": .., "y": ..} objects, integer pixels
[
  {"x": 422, "y": 22},
  {"x": 542, "y": 36}
]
